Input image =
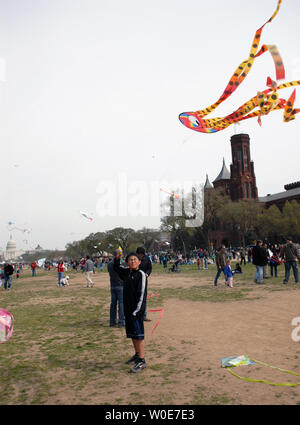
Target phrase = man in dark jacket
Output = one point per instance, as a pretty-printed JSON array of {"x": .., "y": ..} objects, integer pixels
[
  {"x": 116, "y": 291},
  {"x": 8, "y": 272},
  {"x": 259, "y": 259},
  {"x": 146, "y": 266},
  {"x": 221, "y": 258},
  {"x": 289, "y": 253}
]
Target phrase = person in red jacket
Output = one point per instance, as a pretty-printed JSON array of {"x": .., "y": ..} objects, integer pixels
[
  {"x": 33, "y": 268},
  {"x": 60, "y": 271}
]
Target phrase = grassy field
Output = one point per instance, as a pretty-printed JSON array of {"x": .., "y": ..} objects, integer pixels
[{"x": 62, "y": 342}]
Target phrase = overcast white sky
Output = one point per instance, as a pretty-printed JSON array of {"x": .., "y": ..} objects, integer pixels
[{"x": 92, "y": 89}]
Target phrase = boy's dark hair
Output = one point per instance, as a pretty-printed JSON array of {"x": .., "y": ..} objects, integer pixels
[
  {"x": 140, "y": 250},
  {"x": 131, "y": 254}
]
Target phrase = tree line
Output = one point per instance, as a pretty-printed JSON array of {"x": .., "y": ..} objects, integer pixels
[{"x": 248, "y": 218}]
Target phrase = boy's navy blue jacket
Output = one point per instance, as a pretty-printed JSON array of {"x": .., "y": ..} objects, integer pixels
[{"x": 134, "y": 291}]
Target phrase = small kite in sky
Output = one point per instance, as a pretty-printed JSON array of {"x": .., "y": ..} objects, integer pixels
[
  {"x": 6, "y": 325},
  {"x": 266, "y": 101},
  {"x": 84, "y": 214},
  {"x": 170, "y": 193}
]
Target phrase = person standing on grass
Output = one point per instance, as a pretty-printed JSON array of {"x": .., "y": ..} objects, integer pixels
[
  {"x": 221, "y": 258},
  {"x": 8, "y": 274},
  {"x": 33, "y": 268},
  {"x": 289, "y": 253},
  {"x": 134, "y": 299},
  {"x": 60, "y": 271},
  {"x": 274, "y": 263},
  {"x": 165, "y": 262},
  {"x": 265, "y": 268},
  {"x": 228, "y": 274},
  {"x": 259, "y": 259},
  {"x": 116, "y": 291},
  {"x": 88, "y": 270},
  {"x": 146, "y": 266},
  {"x": 243, "y": 256}
]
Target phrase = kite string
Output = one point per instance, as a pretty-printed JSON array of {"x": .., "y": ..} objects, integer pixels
[
  {"x": 282, "y": 384},
  {"x": 153, "y": 311}
]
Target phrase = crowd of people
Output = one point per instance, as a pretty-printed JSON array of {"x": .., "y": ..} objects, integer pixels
[
  {"x": 129, "y": 278},
  {"x": 266, "y": 258}
]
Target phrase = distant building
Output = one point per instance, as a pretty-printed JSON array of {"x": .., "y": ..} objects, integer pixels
[
  {"x": 11, "y": 252},
  {"x": 240, "y": 184},
  {"x": 292, "y": 192}
]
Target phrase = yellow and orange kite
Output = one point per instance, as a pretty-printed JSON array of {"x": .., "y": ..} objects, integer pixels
[{"x": 262, "y": 103}]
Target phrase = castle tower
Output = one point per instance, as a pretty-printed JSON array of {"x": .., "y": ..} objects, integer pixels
[
  {"x": 207, "y": 185},
  {"x": 243, "y": 181},
  {"x": 223, "y": 180}
]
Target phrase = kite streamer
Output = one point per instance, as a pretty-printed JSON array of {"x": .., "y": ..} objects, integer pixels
[
  {"x": 6, "y": 325},
  {"x": 160, "y": 316},
  {"x": 153, "y": 311},
  {"x": 266, "y": 101}
]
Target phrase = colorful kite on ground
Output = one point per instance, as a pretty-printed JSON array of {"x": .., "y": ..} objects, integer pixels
[
  {"x": 6, "y": 325},
  {"x": 266, "y": 101},
  {"x": 243, "y": 360}
]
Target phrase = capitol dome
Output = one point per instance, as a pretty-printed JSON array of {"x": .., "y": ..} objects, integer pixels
[{"x": 11, "y": 246}]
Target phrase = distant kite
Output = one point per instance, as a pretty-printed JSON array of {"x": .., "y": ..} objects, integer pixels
[
  {"x": 84, "y": 214},
  {"x": 266, "y": 101},
  {"x": 170, "y": 193}
]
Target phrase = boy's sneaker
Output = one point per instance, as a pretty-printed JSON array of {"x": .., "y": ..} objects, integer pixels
[
  {"x": 133, "y": 359},
  {"x": 139, "y": 366}
]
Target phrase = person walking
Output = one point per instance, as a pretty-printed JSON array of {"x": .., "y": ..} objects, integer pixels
[
  {"x": 88, "y": 270},
  {"x": 116, "y": 292},
  {"x": 289, "y": 253},
  {"x": 8, "y": 274},
  {"x": 221, "y": 258},
  {"x": 259, "y": 259},
  {"x": 243, "y": 256}
]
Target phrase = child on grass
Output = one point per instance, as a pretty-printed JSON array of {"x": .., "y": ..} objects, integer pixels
[
  {"x": 134, "y": 301},
  {"x": 228, "y": 274}
]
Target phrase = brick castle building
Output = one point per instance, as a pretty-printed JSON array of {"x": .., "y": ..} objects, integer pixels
[{"x": 240, "y": 184}]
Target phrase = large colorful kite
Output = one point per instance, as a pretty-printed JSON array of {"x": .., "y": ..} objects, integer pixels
[{"x": 261, "y": 104}]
